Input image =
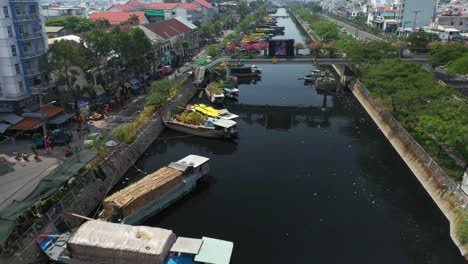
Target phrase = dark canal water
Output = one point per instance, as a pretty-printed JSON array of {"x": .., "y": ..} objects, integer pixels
[{"x": 304, "y": 185}]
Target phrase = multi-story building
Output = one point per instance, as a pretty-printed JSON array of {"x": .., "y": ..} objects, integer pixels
[
  {"x": 414, "y": 14},
  {"x": 22, "y": 43},
  {"x": 55, "y": 11}
]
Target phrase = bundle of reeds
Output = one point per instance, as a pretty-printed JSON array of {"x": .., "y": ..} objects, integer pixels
[{"x": 137, "y": 195}]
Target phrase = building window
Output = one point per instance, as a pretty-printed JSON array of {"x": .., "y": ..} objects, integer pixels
[
  {"x": 173, "y": 13},
  {"x": 1, "y": 90},
  {"x": 18, "y": 69},
  {"x": 461, "y": 23},
  {"x": 13, "y": 50},
  {"x": 452, "y": 23},
  {"x": 21, "y": 86},
  {"x": 5, "y": 12},
  {"x": 21, "y": 29},
  {"x": 19, "y": 10},
  {"x": 32, "y": 10},
  {"x": 10, "y": 32}
]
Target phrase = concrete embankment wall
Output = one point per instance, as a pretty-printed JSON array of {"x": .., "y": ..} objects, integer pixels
[
  {"x": 84, "y": 198},
  {"x": 431, "y": 176}
]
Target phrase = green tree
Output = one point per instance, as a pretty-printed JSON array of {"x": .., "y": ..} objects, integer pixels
[
  {"x": 441, "y": 53},
  {"x": 73, "y": 23},
  {"x": 97, "y": 49},
  {"x": 243, "y": 9},
  {"x": 212, "y": 50},
  {"x": 418, "y": 42},
  {"x": 63, "y": 61},
  {"x": 139, "y": 51},
  {"x": 459, "y": 66}
]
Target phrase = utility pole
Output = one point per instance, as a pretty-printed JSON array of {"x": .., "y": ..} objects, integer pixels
[{"x": 415, "y": 16}]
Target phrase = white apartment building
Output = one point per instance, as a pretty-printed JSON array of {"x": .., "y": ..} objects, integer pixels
[
  {"x": 415, "y": 13},
  {"x": 22, "y": 43}
]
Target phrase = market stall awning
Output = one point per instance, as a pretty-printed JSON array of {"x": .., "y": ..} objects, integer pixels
[
  {"x": 50, "y": 111},
  {"x": 11, "y": 118},
  {"x": 58, "y": 120},
  {"x": 3, "y": 127},
  {"x": 27, "y": 124}
]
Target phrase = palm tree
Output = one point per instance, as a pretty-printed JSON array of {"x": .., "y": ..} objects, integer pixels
[{"x": 133, "y": 20}]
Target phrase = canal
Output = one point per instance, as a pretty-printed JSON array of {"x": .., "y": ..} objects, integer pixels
[{"x": 311, "y": 179}]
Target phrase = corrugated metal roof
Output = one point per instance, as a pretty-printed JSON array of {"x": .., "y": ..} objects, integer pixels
[
  {"x": 215, "y": 251},
  {"x": 27, "y": 124},
  {"x": 168, "y": 28},
  {"x": 53, "y": 29},
  {"x": 187, "y": 245},
  {"x": 3, "y": 127},
  {"x": 11, "y": 118},
  {"x": 194, "y": 160}
]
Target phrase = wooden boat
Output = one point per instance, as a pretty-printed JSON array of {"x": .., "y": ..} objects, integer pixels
[
  {"x": 103, "y": 242},
  {"x": 325, "y": 84},
  {"x": 154, "y": 192},
  {"x": 212, "y": 128},
  {"x": 214, "y": 98},
  {"x": 211, "y": 112}
]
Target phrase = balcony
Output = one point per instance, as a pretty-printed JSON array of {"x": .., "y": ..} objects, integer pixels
[
  {"x": 28, "y": 35},
  {"x": 26, "y": 17},
  {"x": 32, "y": 53},
  {"x": 32, "y": 72}
]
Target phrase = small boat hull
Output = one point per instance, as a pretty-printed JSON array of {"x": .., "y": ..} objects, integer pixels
[
  {"x": 199, "y": 131},
  {"x": 216, "y": 99},
  {"x": 325, "y": 84}
]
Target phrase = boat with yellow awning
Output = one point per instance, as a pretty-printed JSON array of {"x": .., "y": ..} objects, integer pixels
[{"x": 212, "y": 112}]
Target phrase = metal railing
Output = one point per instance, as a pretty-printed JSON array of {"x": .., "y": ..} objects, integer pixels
[
  {"x": 33, "y": 53},
  {"x": 26, "y": 17},
  {"x": 412, "y": 146}
]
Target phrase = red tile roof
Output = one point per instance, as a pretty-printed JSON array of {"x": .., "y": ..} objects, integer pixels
[
  {"x": 136, "y": 3},
  {"x": 163, "y": 6},
  {"x": 115, "y": 18},
  {"x": 124, "y": 7},
  {"x": 26, "y": 124},
  {"x": 167, "y": 29},
  {"x": 204, "y": 3}
]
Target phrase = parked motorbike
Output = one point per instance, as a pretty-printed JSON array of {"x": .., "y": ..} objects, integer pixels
[
  {"x": 68, "y": 152},
  {"x": 25, "y": 156}
]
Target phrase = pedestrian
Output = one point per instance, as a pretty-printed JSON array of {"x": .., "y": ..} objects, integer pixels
[
  {"x": 13, "y": 140},
  {"x": 87, "y": 127},
  {"x": 47, "y": 143}
]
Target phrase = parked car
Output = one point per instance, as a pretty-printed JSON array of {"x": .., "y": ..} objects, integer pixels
[{"x": 57, "y": 137}]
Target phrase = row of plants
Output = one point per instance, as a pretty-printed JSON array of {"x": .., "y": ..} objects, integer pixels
[
  {"x": 161, "y": 91},
  {"x": 191, "y": 118},
  {"x": 215, "y": 87}
]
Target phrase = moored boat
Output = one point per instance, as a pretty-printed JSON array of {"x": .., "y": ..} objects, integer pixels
[
  {"x": 102, "y": 242},
  {"x": 214, "y": 92},
  {"x": 314, "y": 74},
  {"x": 212, "y": 112},
  {"x": 210, "y": 128},
  {"x": 231, "y": 93},
  {"x": 325, "y": 84},
  {"x": 154, "y": 192}
]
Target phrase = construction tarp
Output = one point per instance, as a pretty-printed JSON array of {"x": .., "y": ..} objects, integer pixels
[
  {"x": 46, "y": 187},
  {"x": 104, "y": 242}
]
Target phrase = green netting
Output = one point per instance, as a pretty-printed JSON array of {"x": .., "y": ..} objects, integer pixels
[
  {"x": 158, "y": 13},
  {"x": 46, "y": 187}
]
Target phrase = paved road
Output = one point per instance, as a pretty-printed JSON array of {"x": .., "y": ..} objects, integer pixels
[{"x": 357, "y": 33}]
